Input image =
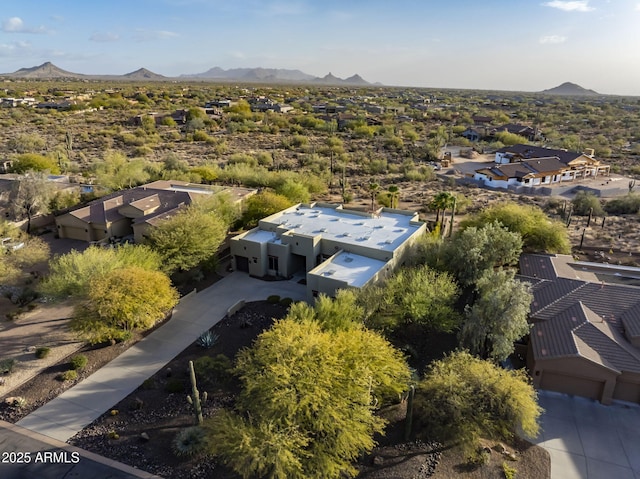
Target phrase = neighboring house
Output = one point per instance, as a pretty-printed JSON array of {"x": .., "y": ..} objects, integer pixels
[
  {"x": 334, "y": 248},
  {"x": 531, "y": 134},
  {"x": 585, "y": 336},
  {"x": 584, "y": 164},
  {"x": 55, "y": 105},
  {"x": 132, "y": 212},
  {"x": 536, "y": 172},
  {"x": 472, "y": 134}
]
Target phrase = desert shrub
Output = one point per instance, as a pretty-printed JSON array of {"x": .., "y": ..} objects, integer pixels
[
  {"x": 273, "y": 299},
  {"x": 42, "y": 352},
  {"x": 7, "y": 365},
  {"x": 207, "y": 339},
  {"x": 286, "y": 302},
  {"x": 190, "y": 442},
  {"x": 509, "y": 472},
  {"x": 78, "y": 362},
  {"x": 626, "y": 205},
  {"x": 70, "y": 375},
  {"x": 174, "y": 386},
  {"x": 211, "y": 370},
  {"x": 149, "y": 383}
]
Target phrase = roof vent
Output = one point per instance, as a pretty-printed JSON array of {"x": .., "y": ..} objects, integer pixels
[
  {"x": 348, "y": 259},
  {"x": 330, "y": 272},
  {"x": 323, "y": 230},
  {"x": 388, "y": 241}
]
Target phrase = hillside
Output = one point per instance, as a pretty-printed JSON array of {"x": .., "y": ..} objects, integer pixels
[
  {"x": 570, "y": 89},
  {"x": 45, "y": 71}
]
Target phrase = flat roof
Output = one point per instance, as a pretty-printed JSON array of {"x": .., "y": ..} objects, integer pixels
[
  {"x": 261, "y": 236},
  {"x": 351, "y": 268},
  {"x": 386, "y": 231}
]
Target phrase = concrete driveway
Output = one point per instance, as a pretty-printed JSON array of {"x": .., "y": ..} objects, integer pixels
[
  {"x": 80, "y": 405},
  {"x": 587, "y": 440}
]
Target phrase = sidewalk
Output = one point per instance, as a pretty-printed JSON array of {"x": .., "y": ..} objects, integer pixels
[{"x": 69, "y": 413}]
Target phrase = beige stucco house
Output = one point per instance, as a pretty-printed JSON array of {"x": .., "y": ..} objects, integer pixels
[
  {"x": 585, "y": 336},
  {"x": 329, "y": 246},
  {"x": 132, "y": 212}
]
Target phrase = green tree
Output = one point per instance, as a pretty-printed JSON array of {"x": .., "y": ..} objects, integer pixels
[
  {"x": 341, "y": 313},
  {"x": 585, "y": 202},
  {"x": 71, "y": 274},
  {"x": 373, "y": 189},
  {"x": 476, "y": 250},
  {"x": 295, "y": 191},
  {"x": 33, "y": 162},
  {"x": 30, "y": 195},
  {"x": 26, "y": 143},
  {"x": 262, "y": 205},
  {"x": 306, "y": 409},
  {"x": 188, "y": 239},
  {"x": 509, "y": 139},
  {"x": 15, "y": 263},
  {"x": 123, "y": 301},
  {"x": 117, "y": 172},
  {"x": 394, "y": 195},
  {"x": 441, "y": 202},
  {"x": 498, "y": 317},
  {"x": 417, "y": 295},
  {"x": 64, "y": 199},
  {"x": 463, "y": 398},
  {"x": 539, "y": 233}
]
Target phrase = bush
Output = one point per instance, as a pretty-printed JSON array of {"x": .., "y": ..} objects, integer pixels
[
  {"x": 42, "y": 352},
  {"x": 217, "y": 369},
  {"x": 626, "y": 205},
  {"x": 273, "y": 299},
  {"x": 190, "y": 442},
  {"x": 207, "y": 339},
  {"x": 286, "y": 302},
  {"x": 174, "y": 386},
  {"x": 7, "y": 365},
  {"x": 78, "y": 362},
  {"x": 509, "y": 472},
  {"x": 70, "y": 375}
]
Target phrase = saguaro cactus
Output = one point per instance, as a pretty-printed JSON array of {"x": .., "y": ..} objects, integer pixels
[{"x": 194, "y": 399}]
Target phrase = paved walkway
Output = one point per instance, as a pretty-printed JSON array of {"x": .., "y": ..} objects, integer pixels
[
  {"x": 69, "y": 413},
  {"x": 587, "y": 440}
]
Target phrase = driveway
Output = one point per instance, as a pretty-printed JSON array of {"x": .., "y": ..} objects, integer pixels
[
  {"x": 80, "y": 405},
  {"x": 587, "y": 440}
]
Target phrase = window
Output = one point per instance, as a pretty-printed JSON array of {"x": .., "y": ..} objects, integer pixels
[{"x": 273, "y": 263}]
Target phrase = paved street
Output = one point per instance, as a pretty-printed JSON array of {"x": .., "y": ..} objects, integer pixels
[
  {"x": 80, "y": 405},
  {"x": 587, "y": 440}
]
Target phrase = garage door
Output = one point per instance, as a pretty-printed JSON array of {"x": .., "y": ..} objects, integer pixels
[
  {"x": 242, "y": 264},
  {"x": 583, "y": 387},
  {"x": 627, "y": 391},
  {"x": 73, "y": 233}
]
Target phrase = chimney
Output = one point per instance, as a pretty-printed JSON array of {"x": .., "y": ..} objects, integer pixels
[{"x": 589, "y": 151}]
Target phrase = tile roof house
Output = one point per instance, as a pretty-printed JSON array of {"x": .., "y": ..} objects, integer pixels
[
  {"x": 530, "y": 166},
  {"x": 534, "y": 172},
  {"x": 585, "y": 336},
  {"x": 133, "y": 211}
]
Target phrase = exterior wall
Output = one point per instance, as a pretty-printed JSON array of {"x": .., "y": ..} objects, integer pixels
[
  {"x": 256, "y": 252},
  {"x": 502, "y": 158},
  {"x": 627, "y": 388},
  {"x": 321, "y": 284},
  {"x": 575, "y": 376}
]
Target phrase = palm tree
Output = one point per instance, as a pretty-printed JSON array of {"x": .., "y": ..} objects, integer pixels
[
  {"x": 373, "y": 188},
  {"x": 394, "y": 194},
  {"x": 441, "y": 202}
]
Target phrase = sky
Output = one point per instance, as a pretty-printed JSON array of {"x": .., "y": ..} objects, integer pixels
[{"x": 517, "y": 45}]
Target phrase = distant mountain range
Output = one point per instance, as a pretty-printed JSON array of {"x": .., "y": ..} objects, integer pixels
[
  {"x": 570, "y": 89},
  {"x": 48, "y": 71}
]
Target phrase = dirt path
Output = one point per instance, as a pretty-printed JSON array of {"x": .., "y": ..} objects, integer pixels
[{"x": 44, "y": 326}]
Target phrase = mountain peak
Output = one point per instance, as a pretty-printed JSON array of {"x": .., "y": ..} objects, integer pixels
[
  {"x": 143, "y": 74},
  {"x": 570, "y": 89},
  {"x": 45, "y": 71}
]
